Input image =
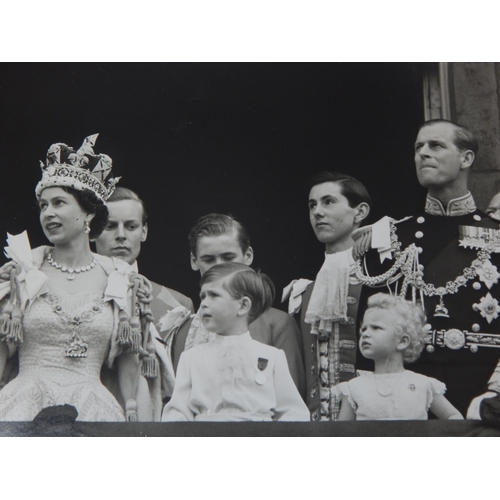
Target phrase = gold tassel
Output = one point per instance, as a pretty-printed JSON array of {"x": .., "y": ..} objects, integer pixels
[
  {"x": 131, "y": 411},
  {"x": 150, "y": 368},
  {"x": 135, "y": 334},
  {"x": 5, "y": 318},
  {"x": 16, "y": 333},
  {"x": 11, "y": 324},
  {"x": 124, "y": 330}
]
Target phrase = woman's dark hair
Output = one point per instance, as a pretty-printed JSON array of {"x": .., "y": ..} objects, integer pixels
[{"x": 91, "y": 204}]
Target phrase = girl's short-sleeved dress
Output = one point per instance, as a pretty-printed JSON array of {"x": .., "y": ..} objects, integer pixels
[
  {"x": 57, "y": 327},
  {"x": 395, "y": 396}
]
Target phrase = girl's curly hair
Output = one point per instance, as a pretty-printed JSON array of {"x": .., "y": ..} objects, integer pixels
[{"x": 410, "y": 320}]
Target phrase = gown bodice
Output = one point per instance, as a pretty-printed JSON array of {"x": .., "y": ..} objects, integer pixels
[{"x": 66, "y": 342}]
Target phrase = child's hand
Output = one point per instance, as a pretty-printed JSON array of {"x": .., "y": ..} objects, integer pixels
[{"x": 473, "y": 411}]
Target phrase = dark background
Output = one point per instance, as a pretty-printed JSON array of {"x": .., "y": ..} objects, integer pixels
[{"x": 194, "y": 138}]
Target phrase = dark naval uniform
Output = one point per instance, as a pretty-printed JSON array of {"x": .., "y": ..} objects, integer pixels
[{"x": 455, "y": 270}]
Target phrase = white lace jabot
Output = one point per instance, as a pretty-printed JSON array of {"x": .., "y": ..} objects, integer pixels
[{"x": 328, "y": 302}]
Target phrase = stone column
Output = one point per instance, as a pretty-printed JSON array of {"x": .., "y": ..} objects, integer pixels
[{"x": 475, "y": 97}]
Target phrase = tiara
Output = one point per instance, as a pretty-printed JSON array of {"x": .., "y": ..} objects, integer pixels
[{"x": 81, "y": 169}]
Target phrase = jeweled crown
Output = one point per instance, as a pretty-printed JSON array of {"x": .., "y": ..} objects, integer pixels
[{"x": 81, "y": 169}]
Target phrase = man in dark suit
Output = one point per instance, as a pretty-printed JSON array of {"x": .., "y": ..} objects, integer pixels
[
  {"x": 217, "y": 238},
  {"x": 338, "y": 204},
  {"x": 123, "y": 236},
  {"x": 447, "y": 258}
]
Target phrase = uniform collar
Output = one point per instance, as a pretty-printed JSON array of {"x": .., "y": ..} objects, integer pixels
[{"x": 458, "y": 206}]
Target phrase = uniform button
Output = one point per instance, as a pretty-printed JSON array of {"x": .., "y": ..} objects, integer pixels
[
  {"x": 313, "y": 346},
  {"x": 313, "y": 369},
  {"x": 314, "y": 415},
  {"x": 430, "y": 349},
  {"x": 475, "y": 328},
  {"x": 420, "y": 249},
  {"x": 313, "y": 393},
  {"x": 477, "y": 217},
  {"x": 476, "y": 285},
  {"x": 474, "y": 349},
  {"x": 420, "y": 220},
  {"x": 419, "y": 234}
]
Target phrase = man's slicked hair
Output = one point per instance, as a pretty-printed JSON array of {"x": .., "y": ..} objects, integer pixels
[
  {"x": 121, "y": 194},
  {"x": 351, "y": 188},
  {"x": 243, "y": 281},
  {"x": 464, "y": 138},
  {"x": 217, "y": 225}
]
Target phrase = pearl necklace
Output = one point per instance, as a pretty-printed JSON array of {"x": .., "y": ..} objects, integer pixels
[{"x": 71, "y": 272}]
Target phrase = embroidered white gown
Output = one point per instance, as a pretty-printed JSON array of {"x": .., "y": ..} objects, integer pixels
[{"x": 47, "y": 376}]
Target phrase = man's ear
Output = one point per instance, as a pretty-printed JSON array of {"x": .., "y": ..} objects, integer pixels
[
  {"x": 468, "y": 158},
  {"x": 249, "y": 256},
  {"x": 245, "y": 306},
  {"x": 363, "y": 209},
  {"x": 403, "y": 342},
  {"x": 194, "y": 265},
  {"x": 144, "y": 234}
]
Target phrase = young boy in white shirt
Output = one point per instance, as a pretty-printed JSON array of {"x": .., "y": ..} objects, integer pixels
[{"x": 233, "y": 377}]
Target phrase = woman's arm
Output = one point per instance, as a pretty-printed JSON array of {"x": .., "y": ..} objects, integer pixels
[
  {"x": 289, "y": 403},
  {"x": 178, "y": 409},
  {"x": 442, "y": 408}
]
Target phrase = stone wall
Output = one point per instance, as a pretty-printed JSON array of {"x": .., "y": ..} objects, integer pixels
[{"x": 474, "y": 94}]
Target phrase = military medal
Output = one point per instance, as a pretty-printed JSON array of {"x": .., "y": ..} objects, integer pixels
[{"x": 261, "y": 378}]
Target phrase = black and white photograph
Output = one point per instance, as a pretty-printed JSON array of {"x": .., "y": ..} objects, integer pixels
[
  {"x": 308, "y": 243},
  {"x": 233, "y": 220}
]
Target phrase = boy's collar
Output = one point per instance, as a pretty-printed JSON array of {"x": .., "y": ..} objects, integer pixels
[{"x": 232, "y": 339}]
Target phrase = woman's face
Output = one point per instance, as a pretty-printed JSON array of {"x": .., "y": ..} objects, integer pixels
[{"x": 61, "y": 217}]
